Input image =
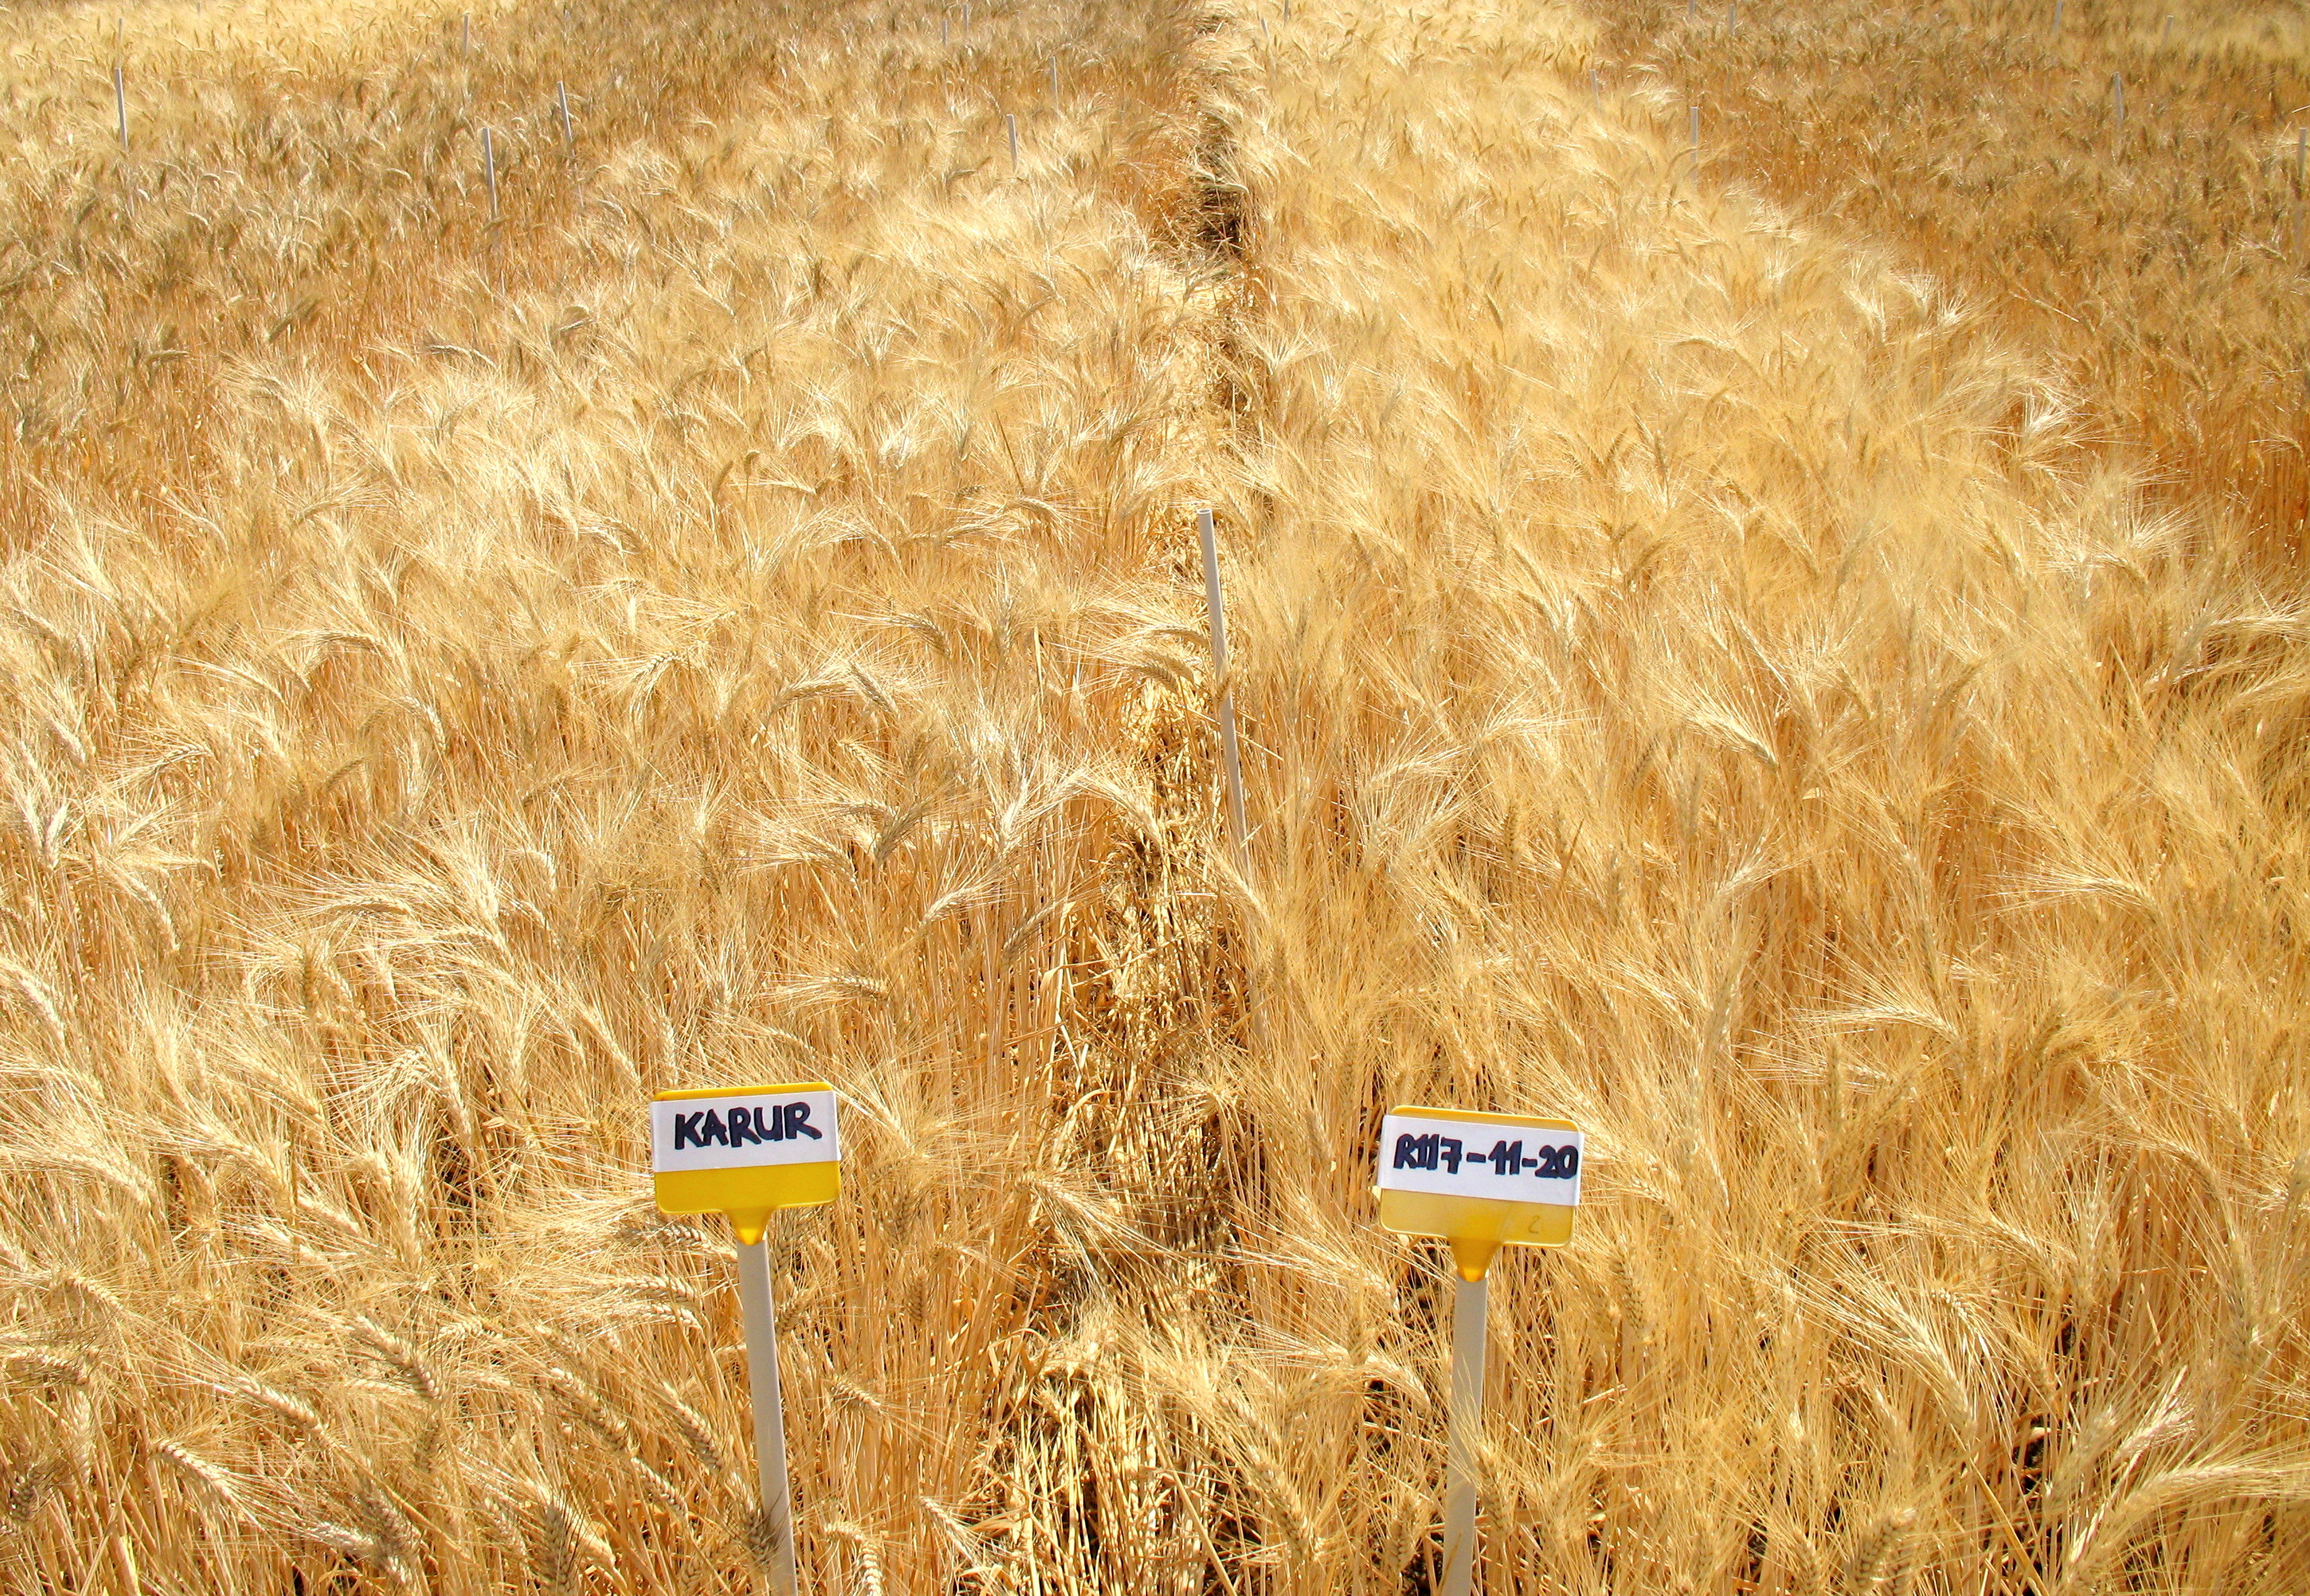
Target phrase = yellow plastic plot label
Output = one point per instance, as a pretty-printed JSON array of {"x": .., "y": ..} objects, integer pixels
[
  {"x": 745, "y": 1150},
  {"x": 1478, "y": 1180}
]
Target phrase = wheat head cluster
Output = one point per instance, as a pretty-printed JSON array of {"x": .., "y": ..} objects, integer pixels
[{"x": 725, "y": 606}]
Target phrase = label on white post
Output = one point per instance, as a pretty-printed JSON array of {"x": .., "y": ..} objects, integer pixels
[
  {"x": 745, "y": 1150},
  {"x": 743, "y": 1130},
  {"x": 1494, "y": 1159},
  {"x": 1480, "y": 1182}
]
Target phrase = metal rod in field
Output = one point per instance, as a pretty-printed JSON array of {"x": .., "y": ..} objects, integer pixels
[
  {"x": 469, "y": 33},
  {"x": 2301, "y": 147},
  {"x": 2118, "y": 97},
  {"x": 569, "y": 134},
  {"x": 769, "y": 1409},
  {"x": 1466, "y": 1424},
  {"x": 120, "y": 102},
  {"x": 1229, "y": 748},
  {"x": 1696, "y": 134},
  {"x": 1011, "y": 126},
  {"x": 1732, "y": 17},
  {"x": 490, "y": 166},
  {"x": 2057, "y": 15}
]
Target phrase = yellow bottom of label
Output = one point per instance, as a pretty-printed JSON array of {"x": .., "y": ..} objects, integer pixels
[
  {"x": 1476, "y": 1226},
  {"x": 748, "y": 1195}
]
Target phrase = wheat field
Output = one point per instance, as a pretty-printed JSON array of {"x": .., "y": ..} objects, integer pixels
[
  {"x": 726, "y": 607},
  {"x": 2117, "y": 184}
]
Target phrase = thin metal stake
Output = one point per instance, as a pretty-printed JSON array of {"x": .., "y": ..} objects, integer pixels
[
  {"x": 2057, "y": 15},
  {"x": 2118, "y": 90},
  {"x": 1469, "y": 1301},
  {"x": 769, "y": 1407},
  {"x": 469, "y": 33},
  {"x": 1231, "y": 750},
  {"x": 1010, "y": 124},
  {"x": 1236, "y": 830},
  {"x": 569, "y": 134},
  {"x": 489, "y": 165},
  {"x": 1696, "y": 135},
  {"x": 2301, "y": 144},
  {"x": 120, "y": 102}
]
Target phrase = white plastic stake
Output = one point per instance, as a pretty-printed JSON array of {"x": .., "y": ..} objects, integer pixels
[
  {"x": 569, "y": 134},
  {"x": 489, "y": 165},
  {"x": 1470, "y": 1299},
  {"x": 1010, "y": 124},
  {"x": 747, "y": 1151},
  {"x": 769, "y": 1407},
  {"x": 120, "y": 102},
  {"x": 1435, "y": 1179},
  {"x": 1228, "y": 746}
]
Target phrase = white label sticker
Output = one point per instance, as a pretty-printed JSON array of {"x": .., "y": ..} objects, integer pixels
[
  {"x": 742, "y": 1131},
  {"x": 1458, "y": 1157}
]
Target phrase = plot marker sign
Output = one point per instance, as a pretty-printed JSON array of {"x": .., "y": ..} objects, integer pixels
[
  {"x": 746, "y": 1151},
  {"x": 1480, "y": 1181}
]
